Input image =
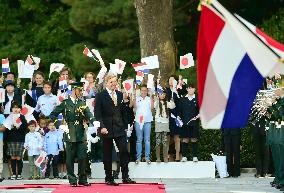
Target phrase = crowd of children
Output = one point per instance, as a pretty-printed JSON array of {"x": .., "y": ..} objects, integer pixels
[{"x": 173, "y": 111}]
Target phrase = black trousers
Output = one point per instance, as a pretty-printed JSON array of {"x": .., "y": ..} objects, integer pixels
[
  {"x": 232, "y": 148},
  {"x": 123, "y": 156},
  {"x": 132, "y": 141},
  {"x": 53, "y": 159},
  {"x": 262, "y": 154}
]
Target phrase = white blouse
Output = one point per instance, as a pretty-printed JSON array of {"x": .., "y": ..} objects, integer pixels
[
  {"x": 143, "y": 108},
  {"x": 161, "y": 118}
]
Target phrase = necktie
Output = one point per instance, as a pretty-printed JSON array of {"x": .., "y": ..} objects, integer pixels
[{"x": 113, "y": 97}]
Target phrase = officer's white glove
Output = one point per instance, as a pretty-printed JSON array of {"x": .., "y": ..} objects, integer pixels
[
  {"x": 64, "y": 128},
  {"x": 129, "y": 130},
  {"x": 95, "y": 139},
  {"x": 92, "y": 130},
  {"x": 96, "y": 124}
]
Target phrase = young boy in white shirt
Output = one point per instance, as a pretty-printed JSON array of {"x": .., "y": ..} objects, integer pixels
[
  {"x": 47, "y": 102},
  {"x": 33, "y": 144}
]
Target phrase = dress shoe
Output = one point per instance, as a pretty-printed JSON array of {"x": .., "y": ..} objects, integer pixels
[
  {"x": 73, "y": 184},
  {"x": 84, "y": 184},
  {"x": 257, "y": 175},
  {"x": 115, "y": 174},
  {"x": 1, "y": 179},
  {"x": 111, "y": 183},
  {"x": 128, "y": 181}
]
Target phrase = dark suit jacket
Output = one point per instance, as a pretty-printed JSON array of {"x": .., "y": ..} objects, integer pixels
[
  {"x": 187, "y": 110},
  {"x": 112, "y": 117},
  {"x": 17, "y": 98}
]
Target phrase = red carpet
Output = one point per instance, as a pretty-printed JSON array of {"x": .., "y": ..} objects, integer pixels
[{"x": 97, "y": 188}]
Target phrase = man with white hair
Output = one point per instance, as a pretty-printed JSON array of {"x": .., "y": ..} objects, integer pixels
[{"x": 113, "y": 122}]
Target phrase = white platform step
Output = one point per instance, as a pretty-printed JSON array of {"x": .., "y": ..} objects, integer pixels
[{"x": 201, "y": 169}]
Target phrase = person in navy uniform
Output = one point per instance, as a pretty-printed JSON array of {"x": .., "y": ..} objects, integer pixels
[
  {"x": 189, "y": 114},
  {"x": 113, "y": 122}
]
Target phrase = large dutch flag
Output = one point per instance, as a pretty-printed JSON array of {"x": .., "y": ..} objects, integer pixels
[{"x": 232, "y": 64}]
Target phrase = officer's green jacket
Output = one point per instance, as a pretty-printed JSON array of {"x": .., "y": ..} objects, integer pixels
[
  {"x": 74, "y": 114},
  {"x": 277, "y": 110}
]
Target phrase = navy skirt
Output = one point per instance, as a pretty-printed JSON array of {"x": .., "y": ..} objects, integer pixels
[{"x": 189, "y": 131}]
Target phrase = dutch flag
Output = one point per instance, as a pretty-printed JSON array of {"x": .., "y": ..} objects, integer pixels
[
  {"x": 60, "y": 117},
  {"x": 232, "y": 65},
  {"x": 160, "y": 89},
  {"x": 5, "y": 66},
  {"x": 139, "y": 66},
  {"x": 62, "y": 83},
  {"x": 139, "y": 77},
  {"x": 178, "y": 120}
]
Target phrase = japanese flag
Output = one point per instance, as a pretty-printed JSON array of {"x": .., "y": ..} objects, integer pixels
[
  {"x": 17, "y": 120},
  {"x": 55, "y": 67},
  {"x": 30, "y": 118},
  {"x": 128, "y": 85},
  {"x": 87, "y": 52},
  {"x": 40, "y": 159},
  {"x": 141, "y": 121},
  {"x": 61, "y": 96},
  {"x": 27, "y": 110},
  {"x": 29, "y": 60},
  {"x": 120, "y": 65},
  {"x": 186, "y": 61}
]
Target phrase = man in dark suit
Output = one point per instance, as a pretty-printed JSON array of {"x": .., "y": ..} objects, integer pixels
[
  {"x": 113, "y": 122},
  {"x": 232, "y": 141}
]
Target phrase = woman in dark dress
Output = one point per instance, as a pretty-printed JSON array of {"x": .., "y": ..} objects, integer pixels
[{"x": 174, "y": 148}]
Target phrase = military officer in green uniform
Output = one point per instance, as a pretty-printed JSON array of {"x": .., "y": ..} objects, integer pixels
[
  {"x": 275, "y": 138},
  {"x": 74, "y": 110}
]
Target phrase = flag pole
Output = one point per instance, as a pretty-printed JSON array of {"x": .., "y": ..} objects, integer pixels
[{"x": 269, "y": 48}]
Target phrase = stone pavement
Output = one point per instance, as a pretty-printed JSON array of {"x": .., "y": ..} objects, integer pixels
[{"x": 244, "y": 184}]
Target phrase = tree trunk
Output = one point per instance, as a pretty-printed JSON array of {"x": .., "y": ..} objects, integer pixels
[{"x": 156, "y": 33}]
